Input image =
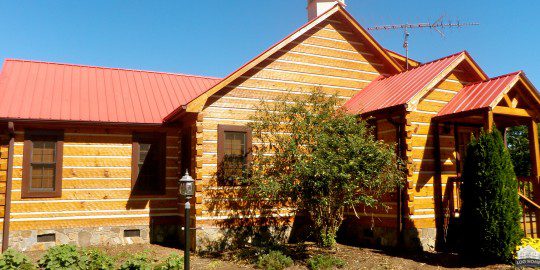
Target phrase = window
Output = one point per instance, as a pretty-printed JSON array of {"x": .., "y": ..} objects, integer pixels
[
  {"x": 148, "y": 164},
  {"x": 42, "y": 164},
  {"x": 234, "y": 153}
]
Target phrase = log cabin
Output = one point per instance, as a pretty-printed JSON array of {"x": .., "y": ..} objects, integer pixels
[{"x": 92, "y": 155}]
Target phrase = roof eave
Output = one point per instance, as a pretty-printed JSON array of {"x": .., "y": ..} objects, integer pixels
[
  {"x": 77, "y": 122},
  {"x": 174, "y": 115}
]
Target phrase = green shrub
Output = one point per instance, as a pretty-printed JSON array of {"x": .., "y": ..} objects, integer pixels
[
  {"x": 98, "y": 260},
  {"x": 12, "y": 259},
  {"x": 275, "y": 260},
  {"x": 173, "y": 262},
  {"x": 137, "y": 262},
  {"x": 330, "y": 162},
  {"x": 490, "y": 211},
  {"x": 63, "y": 257},
  {"x": 322, "y": 262}
]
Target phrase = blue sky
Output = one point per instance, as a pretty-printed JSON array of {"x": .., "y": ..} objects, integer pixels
[{"x": 214, "y": 37}]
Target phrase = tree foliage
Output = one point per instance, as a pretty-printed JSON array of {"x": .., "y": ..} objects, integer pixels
[
  {"x": 518, "y": 145},
  {"x": 490, "y": 210},
  {"x": 319, "y": 159}
]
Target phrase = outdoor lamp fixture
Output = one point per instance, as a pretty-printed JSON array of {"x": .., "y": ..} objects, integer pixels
[{"x": 186, "y": 188}]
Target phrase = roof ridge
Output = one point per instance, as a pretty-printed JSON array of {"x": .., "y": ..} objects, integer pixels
[
  {"x": 427, "y": 63},
  {"x": 438, "y": 59},
  {"x": 111, "y": 68},
  {"x": 496, "y": 77}
]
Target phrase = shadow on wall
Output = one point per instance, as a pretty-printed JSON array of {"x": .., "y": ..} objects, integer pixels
[
  {"x": 163, "y": 230},
  {"x": 149, "y": 191},
  {"x": 245, "y": 220},
  {"x": 445, "y": 190}
]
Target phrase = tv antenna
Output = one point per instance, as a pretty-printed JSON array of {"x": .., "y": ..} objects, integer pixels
[{"x": 438, "y": 26}]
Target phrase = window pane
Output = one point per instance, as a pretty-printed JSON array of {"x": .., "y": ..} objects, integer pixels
[
  {"x": 42, "y": 176},
  {"x": 37, "y": 152},
  {"x": 36, "y": 178},
  {"x": 234, "y": 156},
  {"x": 235, "y": 143},
  {"x": 144, "y": 148},
  {"x": 43, "y": 165},
  {"x": 150, "y": 162},
  {"x": 43, "y": 152}
]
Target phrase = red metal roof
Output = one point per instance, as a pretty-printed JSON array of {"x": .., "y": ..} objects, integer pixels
[
  {"x": 65, "y": 92},
  {"x": 479, "y": 95},
  {"x": 398, "y": 89}
]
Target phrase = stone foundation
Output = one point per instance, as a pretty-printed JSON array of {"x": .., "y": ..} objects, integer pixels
[
  {"x": 423, "y": 239},
  {"x": 84, "y": 237},
  {"x": 353, "y": 232},
  {"x": 216, "y": 239},
  {"x": 210, "y": 238}
]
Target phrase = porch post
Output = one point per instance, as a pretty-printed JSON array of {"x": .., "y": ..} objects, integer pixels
[
  {"x": 535, "y": 166},
  {"x": 488, "y": 120}
]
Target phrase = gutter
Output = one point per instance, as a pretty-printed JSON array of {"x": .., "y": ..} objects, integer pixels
[{"x": 9, "y": 180}]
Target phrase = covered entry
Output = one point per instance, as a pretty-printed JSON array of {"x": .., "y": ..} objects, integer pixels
[{"x": 502, "y": 102}]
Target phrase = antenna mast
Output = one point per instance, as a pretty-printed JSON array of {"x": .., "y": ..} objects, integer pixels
[{"x": 438, "y": 25}]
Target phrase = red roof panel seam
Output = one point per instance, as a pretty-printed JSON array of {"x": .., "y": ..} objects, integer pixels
[
  {"x": 129, "y": 94},
  {"x": 168, "y": 99}
]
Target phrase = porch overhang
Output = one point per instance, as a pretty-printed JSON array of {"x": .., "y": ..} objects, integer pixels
[{"x": 506, "y": 100}]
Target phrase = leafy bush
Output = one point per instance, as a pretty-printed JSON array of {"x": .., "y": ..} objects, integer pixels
[
  {"x": 324, "y": 161},
  {"x": 275, "y": 260},
  {"x": 173, "y": 262},
  {"x": 12, "y": 259},
  {"x": 63, "y": 257},
  {"x": 322, "y": 262},
  {"x": 98, "y": 260},
  {"x": 490, "y": 211},
  {"x": 137, "y": 262}
]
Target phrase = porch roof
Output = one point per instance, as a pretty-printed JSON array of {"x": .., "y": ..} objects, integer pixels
[
  {"x": 400, "y": 88},
  {"x": 481, "y": 94}
]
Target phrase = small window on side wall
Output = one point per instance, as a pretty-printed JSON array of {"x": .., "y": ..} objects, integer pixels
[
  {"x": 42, "y": 164},
  {"x": 148, "y": 164},
  {"x": 234, "y": 153}
]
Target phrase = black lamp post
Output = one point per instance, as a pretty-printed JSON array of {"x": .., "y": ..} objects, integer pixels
[{"x": 186, "y": 188}]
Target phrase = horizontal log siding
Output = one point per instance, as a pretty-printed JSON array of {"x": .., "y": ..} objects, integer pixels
[
  {"x": 329, "y": 57},
  {"x": 96, "y": 185},
  {"x": 420, "y": 153}
]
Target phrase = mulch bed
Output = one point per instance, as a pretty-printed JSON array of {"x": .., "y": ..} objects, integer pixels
[{"x": 355, "y": 257}]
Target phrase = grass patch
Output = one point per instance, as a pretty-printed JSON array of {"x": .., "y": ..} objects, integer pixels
[
  {"x": 324, "y": 262},
  {"x": 275, "y": 260}
]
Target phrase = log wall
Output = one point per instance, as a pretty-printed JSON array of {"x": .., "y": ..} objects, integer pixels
[
  {"x": 96, "y": 185},
  {"x": 422, "y": 189},
  {"x": 330, "y": 57}
]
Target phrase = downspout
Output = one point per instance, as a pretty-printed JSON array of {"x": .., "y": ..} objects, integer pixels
[{"x": 9, "y": 179}]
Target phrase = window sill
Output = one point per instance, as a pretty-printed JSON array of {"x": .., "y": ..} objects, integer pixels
[{"x": 41, "y": 195}]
